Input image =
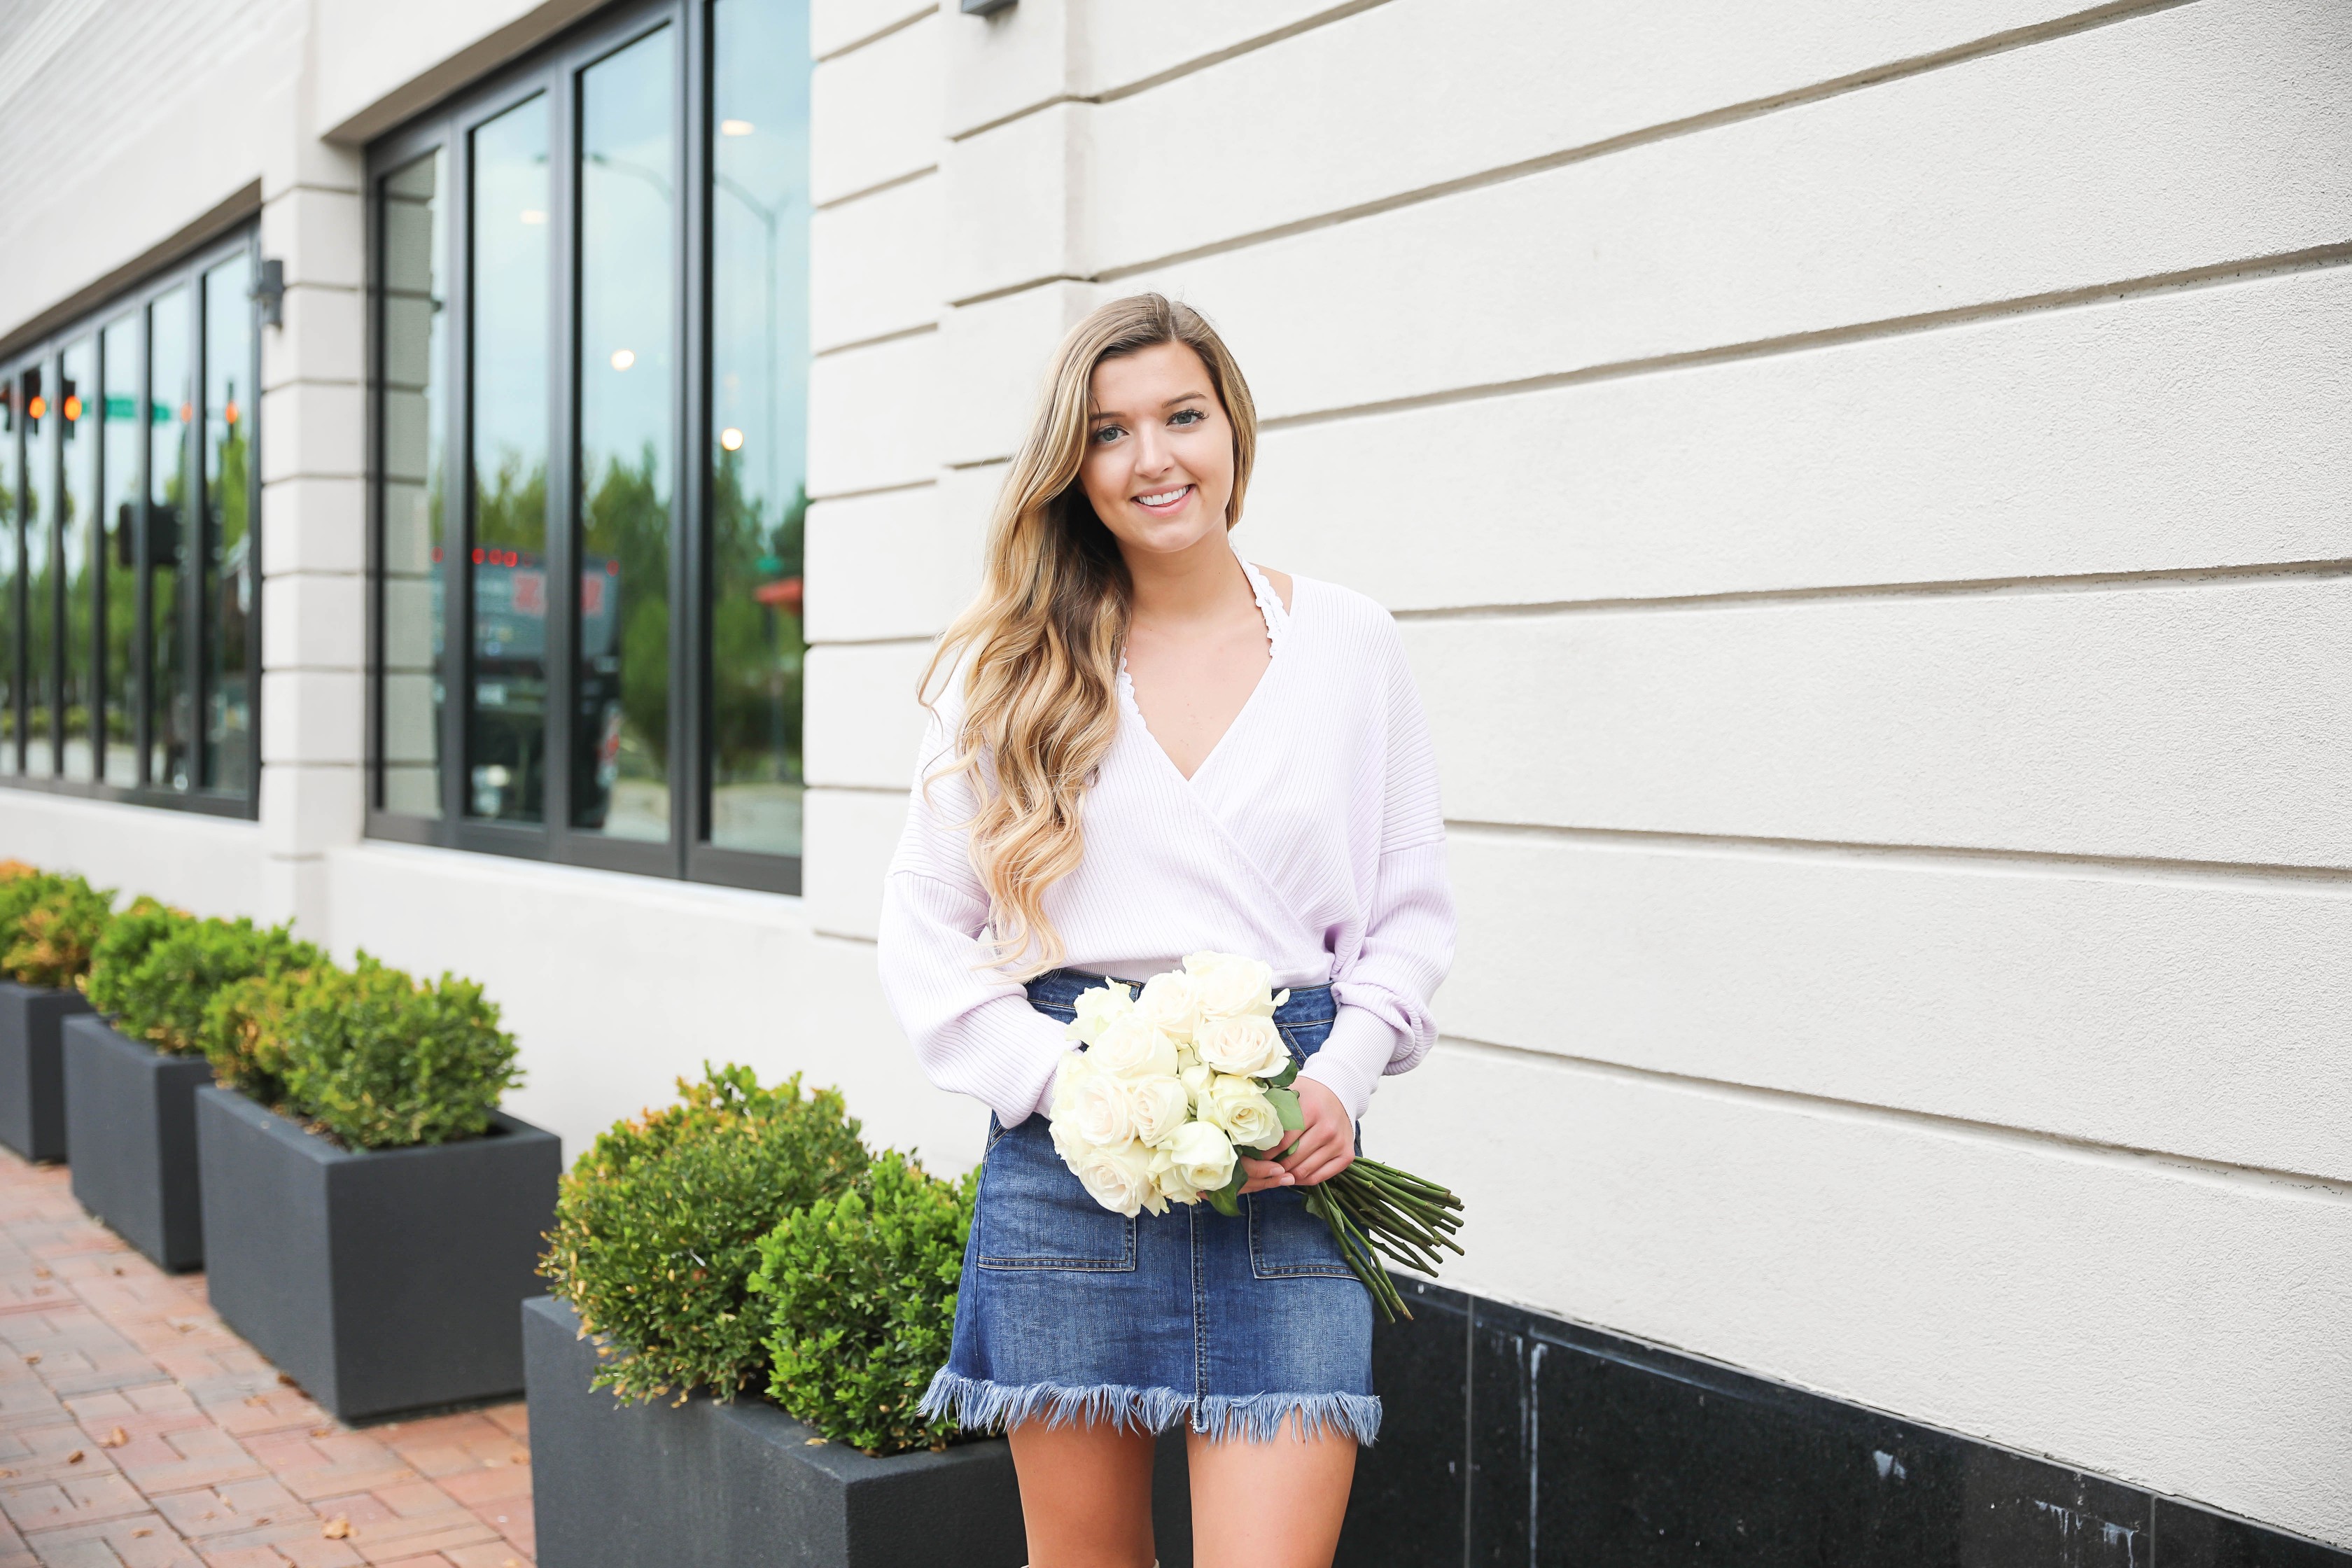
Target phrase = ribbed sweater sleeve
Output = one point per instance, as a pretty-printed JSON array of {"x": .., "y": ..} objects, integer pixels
[
  {"x": 1384, "y": 1024},
  {"x": 973, "y": 1028}
]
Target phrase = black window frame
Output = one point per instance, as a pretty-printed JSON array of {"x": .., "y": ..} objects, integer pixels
[
  {"x": 196, "y": 612},
  {"x": 556, "y": 70}
]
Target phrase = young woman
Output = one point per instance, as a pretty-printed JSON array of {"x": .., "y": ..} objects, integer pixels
[{"x": 1146, "y": 747}]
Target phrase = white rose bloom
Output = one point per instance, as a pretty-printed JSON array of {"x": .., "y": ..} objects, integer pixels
[
  {"x": 1131, "y": 1045},
  {"x": 1096, "y": 1009},
  {"x": 1196, "y": 1080},
  {"x": 1186, "y": 1056},
  {"x": 1202, "y": 1156},
  {"x": 1250, "y": 1047},
  {"x": 1066, "y": 1141},
  {"x": 1157, "y": 1106},
  {"x": 1120, "y": 1178},
  {"x": 1171, "y": 1001},
  {"x": 1099, "y": 1110},
  {"x": 1230, "y": 986},
  {"x": 1169, "y": 1182},
  {"x": 1239, "y": 1106}
]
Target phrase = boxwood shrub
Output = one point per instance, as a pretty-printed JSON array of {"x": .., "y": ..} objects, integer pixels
[
  {"x": 657, "y": 1227},
  {"x": 48, "y": 926},
  {"x": 175, "y": 966},
  {"x": 859, "y": 1292},
  {"x": 380, "y": 1060}
]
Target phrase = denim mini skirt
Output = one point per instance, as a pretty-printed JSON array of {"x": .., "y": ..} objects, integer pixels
[{"x": 1069, "y": 1312}]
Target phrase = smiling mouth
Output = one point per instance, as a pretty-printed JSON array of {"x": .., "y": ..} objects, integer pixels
[{"x": 1164, "y": 501}]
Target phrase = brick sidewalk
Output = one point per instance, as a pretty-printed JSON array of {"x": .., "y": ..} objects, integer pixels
[{"x": 135, "y": 1430}]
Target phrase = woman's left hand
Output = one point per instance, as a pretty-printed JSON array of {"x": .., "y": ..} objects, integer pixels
[{"x": 1323, "y": 1149}]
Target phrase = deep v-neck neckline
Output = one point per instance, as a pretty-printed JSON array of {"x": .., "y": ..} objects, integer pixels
[{"x": 1276, "y": 617}]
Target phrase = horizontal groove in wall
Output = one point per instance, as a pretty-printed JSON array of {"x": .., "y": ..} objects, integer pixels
[
  {"x": 1175, "y": 72},
  {"x": 1935, "y": 856},
  {"x": 1976, "y": 587},
  {"x": 1233, "y": 52},
  {"x": 920, "y": 484},
  {"x": 2294, "y": 1184},
  {"x": 1024, "y": 113},
  {"x": 2219, "y": 274},
  {"x": 900, "y": 26},
  {"x": 968, "y": 464},
  {"x": 1752, "y": 109},
  {"x": 920, "y": 329},
  {"x": 893, "y": 640},
  {"x": 876, "y": 189},
  {"x": 860, "y": 938},
  {"x": 897, "y": 790},
  {"x": 1009, "y": 289}
]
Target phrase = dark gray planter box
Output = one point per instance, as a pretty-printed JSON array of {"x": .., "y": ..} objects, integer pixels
[
  {"x": 379, "y": 1280},
  {"x": 130, "y": 1118},
  {"x": 32, "y": 1070},
  {"x": 706, "y": 1485}
]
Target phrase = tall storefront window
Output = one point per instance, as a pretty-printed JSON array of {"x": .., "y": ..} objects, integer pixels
[
  {"x": 589, "y": 292},
  {"x": 128, "y": 454}
]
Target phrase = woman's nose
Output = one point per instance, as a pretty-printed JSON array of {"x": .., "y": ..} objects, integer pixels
[{"x": 1150, "y": 450}]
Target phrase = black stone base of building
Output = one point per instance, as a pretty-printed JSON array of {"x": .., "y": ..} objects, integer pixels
[{"x": 1512, "y": 1437}]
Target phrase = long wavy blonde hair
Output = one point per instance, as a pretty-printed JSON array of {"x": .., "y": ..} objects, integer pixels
[{"x": 1040, "y": 644}]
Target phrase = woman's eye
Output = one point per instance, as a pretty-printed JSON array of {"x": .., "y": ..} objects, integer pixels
[
  {"x": 1104, "y": 435},
  {"x": 1187, "y": 416}
]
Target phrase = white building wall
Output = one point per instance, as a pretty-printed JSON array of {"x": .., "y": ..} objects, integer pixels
[{"x": 1866, "y": 489}]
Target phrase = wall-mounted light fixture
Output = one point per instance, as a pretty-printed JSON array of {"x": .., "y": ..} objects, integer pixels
[
  {"x": 987, "y": 7},
  {"x": 269, "y": 287}
]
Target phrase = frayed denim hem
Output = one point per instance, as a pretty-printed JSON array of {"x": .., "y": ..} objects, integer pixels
[{"x": 978, "y": 1404}]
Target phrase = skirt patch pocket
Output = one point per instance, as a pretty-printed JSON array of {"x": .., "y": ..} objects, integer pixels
[
  {"x": 1032, "y": 1213},
  {"x": 1287, "y": 1243}
]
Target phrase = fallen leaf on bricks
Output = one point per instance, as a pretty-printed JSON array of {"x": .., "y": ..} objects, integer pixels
[
  {"x": 337, "y": 1529},
  {"x": 75, "y": 1458},
  {"x": 142, "y": 1530},
  {"x": 285, "y": 1380},
  {"x": 323, "y": 1431},
  {"x": 6, "y": 1474},
  {"x": 114, "y": 1440},
  {"x": 33, "y": 1360}
]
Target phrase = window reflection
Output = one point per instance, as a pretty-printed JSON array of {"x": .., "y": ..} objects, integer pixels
[
  {"x": 759, "y": 313},
  {"x": 77, "y": 557},
  {"x": 39, "y": 390},
  {"x": 170, "y": 486},
  {"x": 118, "y": 517},
  {"x": 228, "y": 531},
  {"x": 10, "y": 493},
  {"x": 620, "y": 779},
  {"x": 506, "y": 734},
  {"x": 414, "y": 337}
]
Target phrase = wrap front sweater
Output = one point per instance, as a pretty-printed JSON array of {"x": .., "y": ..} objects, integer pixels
[{"x": 1310, "y": 837}]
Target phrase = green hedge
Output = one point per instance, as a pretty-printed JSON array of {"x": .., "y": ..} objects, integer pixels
[
  {"x": 657, "y": 1227},
  {"x": 368, "y": 1055},
  {"x": 860, "y": 1294},
  {"x": 48, "y": 926}
]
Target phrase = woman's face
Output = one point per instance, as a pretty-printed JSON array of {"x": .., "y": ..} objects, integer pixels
[{"x": 1160, "y": 450}]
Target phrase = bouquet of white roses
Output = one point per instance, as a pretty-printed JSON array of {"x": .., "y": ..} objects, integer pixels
[{"x": 1176, "y": 1079}]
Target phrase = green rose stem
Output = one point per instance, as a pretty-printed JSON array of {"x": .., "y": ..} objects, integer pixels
[{"x": 1372, "y": 1208}]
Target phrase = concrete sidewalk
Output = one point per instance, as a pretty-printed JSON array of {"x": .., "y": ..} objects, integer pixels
[{"x": 136, "y": 1430}]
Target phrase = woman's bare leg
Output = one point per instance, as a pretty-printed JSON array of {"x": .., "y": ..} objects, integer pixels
[
  {"x": 1269, "y": 1505},
  {"x": 1085, "y": 1495}
]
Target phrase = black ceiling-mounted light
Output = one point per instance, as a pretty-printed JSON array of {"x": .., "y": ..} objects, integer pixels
[{"x": 987, "y": 7}]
